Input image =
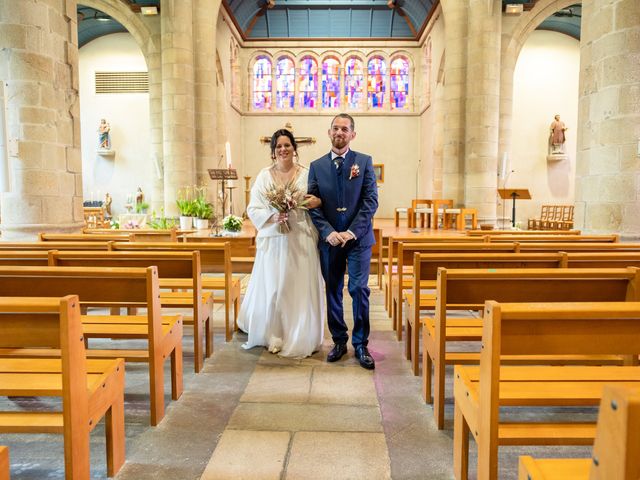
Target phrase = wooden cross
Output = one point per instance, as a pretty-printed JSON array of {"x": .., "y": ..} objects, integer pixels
[{"x": 299, "y": 140}]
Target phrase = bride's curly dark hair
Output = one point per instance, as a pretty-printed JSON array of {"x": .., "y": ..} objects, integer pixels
[{"x": 283, "y": 132}]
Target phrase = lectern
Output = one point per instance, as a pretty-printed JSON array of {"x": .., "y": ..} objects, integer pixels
[
  {"x": 223, "y": 174},
  {"x": 513, "y": 193}
]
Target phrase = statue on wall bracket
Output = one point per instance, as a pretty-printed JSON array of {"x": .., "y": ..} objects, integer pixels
[{"x": 557, "y": 140}]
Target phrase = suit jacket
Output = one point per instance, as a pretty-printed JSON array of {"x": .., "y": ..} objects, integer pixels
[{"x": 359, "y": 197}]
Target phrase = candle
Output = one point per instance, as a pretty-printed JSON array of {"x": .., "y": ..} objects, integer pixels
[{"x": 227, "y": 147}]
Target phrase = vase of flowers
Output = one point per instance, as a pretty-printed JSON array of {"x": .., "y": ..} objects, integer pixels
[
  {"x": 285, "y": 198},
  {"x": 232, "y": 224},
  {"x": 203, "y": 211},
  {"x": 186, "y": 207}
]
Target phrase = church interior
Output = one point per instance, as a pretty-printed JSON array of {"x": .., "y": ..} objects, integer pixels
[{"x": 504, "y": 299}]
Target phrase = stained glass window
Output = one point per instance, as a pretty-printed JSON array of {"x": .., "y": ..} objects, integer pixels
[
  {"x": 262, "y": 84},
  {"x": 285, "y": 83},
  {"x": 330, "y": 83},
  {"x": 377, "y": 71},
  {"x": 353, "y": 83},
  {"x": 308, "y": 83},
  {"x": 399, "y": 83}
]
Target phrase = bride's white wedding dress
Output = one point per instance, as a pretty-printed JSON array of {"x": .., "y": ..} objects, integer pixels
[{"x": 283, "y": 308}]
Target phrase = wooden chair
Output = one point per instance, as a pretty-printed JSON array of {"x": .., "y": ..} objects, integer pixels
[
  {"x": 524, "y": 329},
  {"x": 460, "y": 215},
  {"x": 93, "y": 217},
  {"x": 90, "y": 389},
  {"x": 461, "y": 289},
  {"x": 423, "y": 208},
  {"x": 536, "y": 223},
  {"x": 615, "y": 449},
  {"x": 112, "y": 287},
  {"x": 4, "y": 463},
  {"x": 400, "y": 211}
]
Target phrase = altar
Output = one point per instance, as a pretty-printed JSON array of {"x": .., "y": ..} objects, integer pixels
[{"x": 133, "y": 220}]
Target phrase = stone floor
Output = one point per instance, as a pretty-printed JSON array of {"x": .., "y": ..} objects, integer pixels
[{"x": 254, "y": 415}]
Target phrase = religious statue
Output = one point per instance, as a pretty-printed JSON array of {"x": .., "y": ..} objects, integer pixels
[
  {"x": 107, "y": 205},
  {"x": 139, "y": 196},
  {"x": 104, "y": 137},
  {"x": 556, "y": 136}
]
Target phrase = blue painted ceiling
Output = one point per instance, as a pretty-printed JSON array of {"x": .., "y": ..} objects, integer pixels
[{"x": 281, "y": 19}]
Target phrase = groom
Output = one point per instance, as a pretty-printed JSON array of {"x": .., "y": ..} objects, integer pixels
[{"x": 345, "y": 182}]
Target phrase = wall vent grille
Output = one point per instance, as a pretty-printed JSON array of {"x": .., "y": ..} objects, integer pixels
[{"x": 122, "y": 82}]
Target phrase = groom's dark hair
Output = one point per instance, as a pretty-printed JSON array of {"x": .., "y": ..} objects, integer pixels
[
  {"x": 348, "y": 117},
  {"x": 283, "y": 132}
]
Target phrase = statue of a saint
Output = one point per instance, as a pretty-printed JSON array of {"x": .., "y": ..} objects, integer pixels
[
  {"x": 104, "y": 138},
  {"x": 139, "y": 196},
  {"x": 107, "y": 205},
  {"x": 556, "y": 136}
]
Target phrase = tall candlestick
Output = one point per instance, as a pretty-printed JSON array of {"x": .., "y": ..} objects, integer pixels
[{"x": 227, "y": 147}]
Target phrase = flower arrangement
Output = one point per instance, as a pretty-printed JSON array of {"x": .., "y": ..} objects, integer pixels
[
  {"x": 285, "y": 198},
  {"x": 161, "y": 222},
  {"x": 232, "y": 223},
  {"x": 355, "y": 171},
  {"x": 202, "y": 209}
]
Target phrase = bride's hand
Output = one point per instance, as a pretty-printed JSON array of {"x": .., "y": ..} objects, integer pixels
[{"x": 312, "y": 201}]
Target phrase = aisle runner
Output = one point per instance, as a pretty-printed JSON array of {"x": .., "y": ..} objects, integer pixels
[{"x": 304, "y": 419}]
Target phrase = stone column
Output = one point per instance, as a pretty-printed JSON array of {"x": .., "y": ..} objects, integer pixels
[
  {"x": 206, "y": 16},
  {"x": 39, "y": 66},
  {"x": 154, "y": 64},
  {"x": 608, "y": 161},
  {"x": 483, "y": 107},
  {"x": 455, "y": 24},
  {"x": 177, "y": 99}
]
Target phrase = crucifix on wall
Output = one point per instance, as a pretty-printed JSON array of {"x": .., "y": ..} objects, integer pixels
[{"x": 299, "y": 140}]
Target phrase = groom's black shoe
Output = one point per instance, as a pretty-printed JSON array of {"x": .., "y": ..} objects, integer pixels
[
  {"x": 337, "y": 352},
  {"x": 365, "y": 358}
]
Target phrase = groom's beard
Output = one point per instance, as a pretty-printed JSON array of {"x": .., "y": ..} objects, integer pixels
[{"x": 338, "y": 143}]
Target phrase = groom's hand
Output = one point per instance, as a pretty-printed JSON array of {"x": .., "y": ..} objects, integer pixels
[
  {"x": 346, "y": 236},
  {"x": 334, "y": 239}
]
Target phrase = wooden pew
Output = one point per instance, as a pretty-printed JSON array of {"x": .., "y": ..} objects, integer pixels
[
  {"x": 524, "y": 329},
  {"x": 579, "y": 247},
  {"x": 555, "y": 238},
  {"x": 601, "y": 259},
  {"x": 90, "y": 389},
  {"x": 215, "y": 258},
  {"x": 466, "y": 289},
  {"x": 401, "y": 265},
  {"x": 4, "y": 463},
  {"x": 141, "y": 234},
  {"x": 429, "y": 265},
  {"x": 84, "y": 237},
  {"x": 522, "y": 232},
  {"x": 615, "y": 449},
  {"x": 175, "y": 270},
  {"x": 112, "y": 287},
  {"x": 25, "y": 258},
  {"x": 101, "y": 245}
]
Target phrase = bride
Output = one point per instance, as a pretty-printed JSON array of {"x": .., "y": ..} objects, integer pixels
[{"x": 284, "y": 303}]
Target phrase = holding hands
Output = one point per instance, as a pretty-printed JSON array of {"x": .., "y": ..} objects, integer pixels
[{"x": 339, "y": 238}]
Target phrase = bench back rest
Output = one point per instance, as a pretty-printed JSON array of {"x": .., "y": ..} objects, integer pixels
[
  {"x": 55, "y": 323},
  {"x": 601, "y": 259},
  {"x": 101, "y": 245},
  {"x": 425, "y": 265},
  {"x": 579, "y": 247},
  {"x": 554, "y": 238},
  {"x": 170, "y": 235},
  {"x": 406, "y": 251},
  {"x": 25, "y": 258},
  {"x": 532, "y": 233},
  {"x": 84, "y": 237},
  {"x": 473, "y": 287},
  {"x": 617, "y": 440}
]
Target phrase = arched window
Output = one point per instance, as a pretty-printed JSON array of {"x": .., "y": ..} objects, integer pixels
[
  {"x": 262, "y": 84},
  {"x": 377, "y": 71},
  {"x": 353, "y": 83},
  {"x": 330, "y": 83},
  {"x": 399, "y": 83},
  {"x": 285, "y": 86},
  {"x": 308, "y": 83}
]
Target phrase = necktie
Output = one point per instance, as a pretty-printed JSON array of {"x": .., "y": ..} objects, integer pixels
[{"x": 338, "y": 162}]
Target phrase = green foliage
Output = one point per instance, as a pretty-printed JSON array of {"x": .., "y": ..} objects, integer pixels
[
  {"x": 202, "y": 208},
  {"x": 232, "y": 223},
  {"x": 142, "y": 207},
  {"x": 162, "y": 222},
  {"x": 114, "y": 224},
  {"x": 186, "y": 207}
]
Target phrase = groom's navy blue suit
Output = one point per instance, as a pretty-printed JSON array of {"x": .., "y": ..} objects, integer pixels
[{"x": 346, "y": 205}]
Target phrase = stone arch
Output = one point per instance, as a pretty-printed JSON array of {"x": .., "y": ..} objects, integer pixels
[{"x": 512, "y": 44}]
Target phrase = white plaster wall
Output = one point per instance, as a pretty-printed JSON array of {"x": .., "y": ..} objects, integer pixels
[
  {"x": 545, "y": 84},
  {"x": 128, "y": 115}
]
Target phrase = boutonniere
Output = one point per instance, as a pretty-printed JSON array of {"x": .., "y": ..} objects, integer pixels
[{"x": 355, "y": 171}]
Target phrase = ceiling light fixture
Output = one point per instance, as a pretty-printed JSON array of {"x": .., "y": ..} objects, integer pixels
[
  {"x": 513, "y": 9},
  {"x": 149, "y": 10}
]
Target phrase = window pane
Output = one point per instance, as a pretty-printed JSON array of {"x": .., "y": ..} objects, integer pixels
[
  {"x": 377, "y": 71},
  {"x": 285, "y": 77},
  {"x": 353, "y": 83},
  {"x": 399, "y": 83},
  {"x": 308, "y": 83},
  {"x": 331, "y": 83},
  {"x": 262, "y": 84}
]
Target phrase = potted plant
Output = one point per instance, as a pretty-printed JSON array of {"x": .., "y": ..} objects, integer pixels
[
  {"x": 185, "y": 206},
  {"x": 232, "y": 224},
  {"x": 142, "y": 207},
  {"x": 203, "y": 211}
]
